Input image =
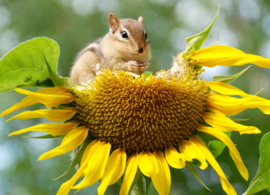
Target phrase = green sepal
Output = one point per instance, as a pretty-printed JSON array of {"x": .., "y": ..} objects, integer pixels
[
  {"x": 77, "y": 191},
  {"x": 24, "y": 66},
  {"x": 239, "y": 119},
  {"x": 195, "y": 42},
  {"x": 259, "y": 91},
  {"x": 261, "y": 180},
  {"x": 138, "y": 185},
  {"x": 191, "y": 168},
  {"x": 227, "y": 79},
  {"x": 148, "y": 182},
  {"x": 57, "y": 80},
  {"x": 63, "y": 106},
  {"x": 77, "y": 156},
  {"x": 47, "y": 136},
  {"x": 198, "y": 67}
]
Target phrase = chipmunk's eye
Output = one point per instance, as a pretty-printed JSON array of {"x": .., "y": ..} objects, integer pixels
[
  {"x": 145, "y": 36},
  {"x": 124, "y": 34}
]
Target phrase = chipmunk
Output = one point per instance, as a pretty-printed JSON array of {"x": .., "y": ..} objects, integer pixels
[{"x": 125, "y": 47}]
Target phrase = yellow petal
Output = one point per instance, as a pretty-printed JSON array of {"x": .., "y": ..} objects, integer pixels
[
  {"x": 95, "y": 166},
  {"x": 51, "y": 128},
  {"x": 261, "y": 103},
  {"x": 227, "y": 187},
  {"x": 162, "y": 180},
  {"x": 55, "y": 115},
  {"x": 190, "y": 149},
  {"x": 130, "y": 172},
  {"x": 228, "y": 105},
  {"x": 114, "y": 170},
  {"x": 218, "y": 120},
  {"x": 65, "y": 187},
  {"x": 147, "y": 163},
  {"x": 175, "y": 159},
  {"x": 71, "y": 141},
  {"x": 49, "y": 100},
  {"x": 54, "y": 90},
  {"x": 252, "y": 101},
  {"x": 28, "y": 101},
  {"x": 88, "y": 154},
  {"x": 225, "y": 88},
  {"x": 227, "y": 56},
  {"x": 232, "y": 106},
  {"x": 232, "y": 149}
]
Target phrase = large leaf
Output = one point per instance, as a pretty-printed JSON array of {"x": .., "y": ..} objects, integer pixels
[
  {"x": 195, "y": 42},
  {"x": 227, "y": 79},
  {"x": 57, "y": 80},
  {"x": 261, "y": 180},
  {"x": 25, "y": 65}
]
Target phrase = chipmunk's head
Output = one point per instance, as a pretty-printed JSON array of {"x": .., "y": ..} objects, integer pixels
[{"x": 130, "y": 38}]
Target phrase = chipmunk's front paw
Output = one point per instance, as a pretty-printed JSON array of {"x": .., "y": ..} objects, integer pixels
[
  {"x": 143, "y": 66},
  {"x": 137, "y": 67}
]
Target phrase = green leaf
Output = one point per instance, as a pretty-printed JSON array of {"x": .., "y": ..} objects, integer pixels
[
  {"x": 77, "y": 156},
  {"x": 195, "y": 42},
  {"x": 261, "y": 180},
  {"x": 47, "y": 136},
  {"x": 25, "y": 65},
  {"x": 191, "y": 168},
  {"x": 57, "y": 80},
  {"x": 227, "y": 79}
]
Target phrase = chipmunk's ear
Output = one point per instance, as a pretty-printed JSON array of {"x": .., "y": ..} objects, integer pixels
[
  {"x": 114, "y": 22},
  {"x": 141, "y": 19}
]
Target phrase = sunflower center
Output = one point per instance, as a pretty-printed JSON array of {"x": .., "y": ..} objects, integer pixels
[{"x": 140, "y": 115}]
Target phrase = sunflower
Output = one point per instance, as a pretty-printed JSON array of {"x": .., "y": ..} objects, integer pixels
[{"x": 140, "y": 124}]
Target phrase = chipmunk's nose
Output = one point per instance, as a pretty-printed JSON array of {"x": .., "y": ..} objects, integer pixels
[{"x": 140, "y": 49}]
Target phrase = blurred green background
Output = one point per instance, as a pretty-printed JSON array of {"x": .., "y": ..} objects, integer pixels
[{"x": 244, "y": 24}]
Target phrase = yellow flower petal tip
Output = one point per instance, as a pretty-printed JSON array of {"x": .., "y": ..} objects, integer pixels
[
  {"x": 51, "y": 128},
  {"x": 227, "y": 56},
  {"x": 232, "y": 149},
  {"x": 71, "y": 141},
  {"x": 3, "y": 114}
]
